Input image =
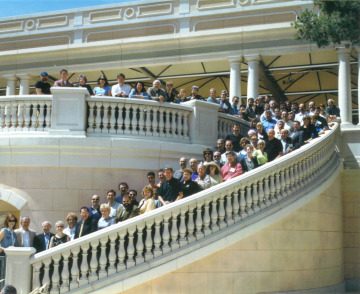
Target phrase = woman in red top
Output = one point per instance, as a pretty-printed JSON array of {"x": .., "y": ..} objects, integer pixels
[{"x": 232, "y": 169}]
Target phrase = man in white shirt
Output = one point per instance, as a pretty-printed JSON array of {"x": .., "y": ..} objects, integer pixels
[
  {"x": 24, "y": 235},
  {"x": 114, "y": 206},
  {"x": 302, "y": 113},
  {"x": 121, "y": 89}
]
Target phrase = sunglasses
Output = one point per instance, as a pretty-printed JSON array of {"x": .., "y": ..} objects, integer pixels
[
  {"x": 11, "y": 221},
  {"x": 207, "y": 153},
  {"x": 96, "y": 199}
]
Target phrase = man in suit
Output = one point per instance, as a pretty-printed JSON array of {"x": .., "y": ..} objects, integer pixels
[
  {"x": 86, "y": 225},
  {"x": 297, "y": 136},
  {"x": 63, "y": 82},
  {"x": 286, "y": 141},
  {"x": 128, "y": 210},
  {"x": 42, "y": 241},
  {"x": 25, "y": 236}
]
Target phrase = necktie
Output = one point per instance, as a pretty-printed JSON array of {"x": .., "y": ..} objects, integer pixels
[{"x": 81, "y": 228}]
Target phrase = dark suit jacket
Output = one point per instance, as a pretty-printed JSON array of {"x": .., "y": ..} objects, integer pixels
[
  {"x": 19, "y": 237},
  {"x": 297, "y": 138},
  {"x": 244, "y": 165},
  {"x": 133, "y": 211},
  {"x": 39, "y": 242},
  {"x": 90, "y": 226}
]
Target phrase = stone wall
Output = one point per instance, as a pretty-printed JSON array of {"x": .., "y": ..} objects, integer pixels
[
  {"x": 302, "y": 251},
  {"x": 351, "y": 205}
]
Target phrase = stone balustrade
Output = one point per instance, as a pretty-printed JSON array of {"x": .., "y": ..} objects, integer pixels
[
  {"x": 72, "y": 112},
  {"x": 161, "y": 235}
]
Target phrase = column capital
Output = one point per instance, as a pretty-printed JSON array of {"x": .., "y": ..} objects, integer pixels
[
  {"x": 23, "y": 76},
  {"x": 10, "y": 77},
  {"x": 235, "y": 58},
  {"x": 252, "y": 57},
  {"x": 344, "y": 48}
]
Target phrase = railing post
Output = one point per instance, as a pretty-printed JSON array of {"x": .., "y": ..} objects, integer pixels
[
  {"x": 203, "y": 125},
  {"x": 18, "y": 269},
  {"x": 69, "y": 115}
]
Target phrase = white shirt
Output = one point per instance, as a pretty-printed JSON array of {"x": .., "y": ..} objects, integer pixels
[
  {"x": 70, "y": 232},
  {"x": 117, "y": 89},
  {"x": 114, "y": 208},
  {"x": 26, "y": 238},
  {"x": 299, "y": 117}
]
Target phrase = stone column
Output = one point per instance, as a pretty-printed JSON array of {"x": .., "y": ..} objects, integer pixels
[
  {"x": 10, "y": 85},
  {"x": 344, "y": 86},
  {"x": 253, "y": 76},
  {"x": 24, "y": 84},
  {"x": 18, "y": 269},
  {"x": 235, "y": 77}
]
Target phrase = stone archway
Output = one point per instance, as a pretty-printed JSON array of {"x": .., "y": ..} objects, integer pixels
[{"x": 10, "y": 202}]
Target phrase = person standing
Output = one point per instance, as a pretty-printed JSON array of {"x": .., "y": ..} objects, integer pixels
[
  {"x": 60, "y": 237},
  {"x": 63, "y": 82},
  {"x": 42, "y": 87},
  {"x": 25, "y": 236},
  {"x": 42, "y": 241},
  {"x": 7, "y": 234},
  {"x": 85, "y": 226}
]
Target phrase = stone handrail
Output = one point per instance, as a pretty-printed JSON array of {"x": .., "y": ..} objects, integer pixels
[
  {"x": 71, "y": 111},
  {"x": 25, "y": 113},
  {"x": 83, "y": 264}
]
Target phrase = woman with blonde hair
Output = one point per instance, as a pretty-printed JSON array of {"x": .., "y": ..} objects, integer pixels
[
  {"x": 148, "y": 203},
  {"x": 60, "y": 237},
  {"x": 106, "y": 220}
]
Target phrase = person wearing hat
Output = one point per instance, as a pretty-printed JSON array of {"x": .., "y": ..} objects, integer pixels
[
  {"x": 214, "y": 172},
  {"x": 194, "y": 94},
  {"x": 42, "y": 87},
  {"x": 232, "y": 168}
]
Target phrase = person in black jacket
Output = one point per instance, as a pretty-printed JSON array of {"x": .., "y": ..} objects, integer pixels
[
  {"x": 297, "y": 136},
  {"x": 86, "y": 225},
  {"x": 189, "y": 186},
  {"x": 249, "y": 162},
  {"x": 42, "y": 241},
  {"x": 309, "y": 130}
]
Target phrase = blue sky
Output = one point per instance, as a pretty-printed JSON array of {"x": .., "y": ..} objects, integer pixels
[{"x": 21, "y": 7}]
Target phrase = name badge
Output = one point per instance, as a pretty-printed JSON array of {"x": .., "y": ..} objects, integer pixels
[{"x": 232, "y": 170}]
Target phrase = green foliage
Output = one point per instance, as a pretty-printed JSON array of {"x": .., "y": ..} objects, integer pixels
[{"x": 337, "y": 21}]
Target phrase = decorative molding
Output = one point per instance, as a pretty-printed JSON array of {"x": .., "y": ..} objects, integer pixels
[
  {"x": 13, "y": 26},
  {"x": 52, "y": 22},
  {"x": 154, "y": 10},
  {"x": 215, "y": 4},
  {"x": 105, "y": 15}
]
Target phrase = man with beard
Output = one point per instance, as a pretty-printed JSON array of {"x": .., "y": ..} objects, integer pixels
[
  {"x": 42, "y": 87},
  {"x": 220, "y": 146},
  {"x": 128, "y": 210},
  {"x": 124, "y": 188},
  {"x": 179, "y": 173},
  {"x": 235, "y": 137},
  {"x": 161, "y": 175}
]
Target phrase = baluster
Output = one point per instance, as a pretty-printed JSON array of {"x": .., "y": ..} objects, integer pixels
[
  {"x": 36, "y": 275},
  {"x": 27, "y": 116},
  {"x": 206, "y": 218},
  {"x": 48, "y": 117},
  {"x": 32, "y": 124},
  {"x": 300, "y": 174},
  {"x": 130, "y": 262},
  {"x": 174, "y": 231},
  {"x": 112, "y": 120},
  {"x": 91, "y": 117},
  {"x": 287, "y": 181},
  {"x": 94, "y": 261},
  {"x": 148, "y": 127},
  {"x": 140, "y": 244},
  {"x": 272, "y": 189},
  {"x": 84, "y": 267},
  {"x": 157, "y": 238},
  {"x": 41, "y": 117},
  {"x": 141, "y": 120},
  {"x": 222, "y": 223},
  {"x": 20, "y": 116},
  {"x": 214, "y": 216},
  {"x": 292, "y": 179},
  {"x": 36, "y": 111},
  {"x": 277, "y": 186},
  {"x": 121, "y": 252},
  {"x": 283, "y": 184},
  {"x": 182, "y": 228},
  {"x": 106, "y": 118},
  {"x": 14, "y": 118},
  {"x": 296, "y": 176},
  {"x": 65, "y": 286},
  {"x": 112, "y": 255},
  {"x": 255, "y": 197},
  {"x": 243, "y": 212},
  {"x": 186, "y": 125},
  {"x": 198, "y": 222},
  {"x": 55, "y": 279},
  {"x": 7, "y": 116},
  {"x": 127, "y": 121},
  {"x": 171, "y": 124},
  {"x": 249, "y": 200},
  {"x": 166, "y": 235},
  {"x": 167, "y": 123},
  {"x": 267, "y": 192},
  {"x": 236, "y": 206},
  {"x": 46, "y": 278},
  {"x": 308, "y": 170},
  {"x": 2, "y": 115},
  {"x": 74, "y": 273},
  {"x": 162, "y": 115},
  {"x": 178, "y": 124},
  {"x": 228, "y": 209},
  {"x": 98, "y": 118},
  {"x": 190, "y": 225},
  {"x": 149, "y": 241},
  {"x": 261, "y": 195}
]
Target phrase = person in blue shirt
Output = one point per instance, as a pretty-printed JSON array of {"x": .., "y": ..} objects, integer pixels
[
  {"x": 332, "y": 109},
  {"x": 269, "y": 122},
  {"x": 225, "y": 105},
  {"x": 212, "y": 97},
  {"x": 139, "y": 92}
]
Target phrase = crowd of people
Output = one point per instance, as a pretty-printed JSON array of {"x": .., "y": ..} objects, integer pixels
[{"x": 275, "y": 130}]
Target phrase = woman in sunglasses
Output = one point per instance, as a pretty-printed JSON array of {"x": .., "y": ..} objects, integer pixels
[
  {"x": 60, "y": 236},
  {"x": 310, "y": 131},
  {"x": 7, "y": 234}
]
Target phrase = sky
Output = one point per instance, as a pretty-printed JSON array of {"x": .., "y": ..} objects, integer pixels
[{"x": 21, "y": 7}]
